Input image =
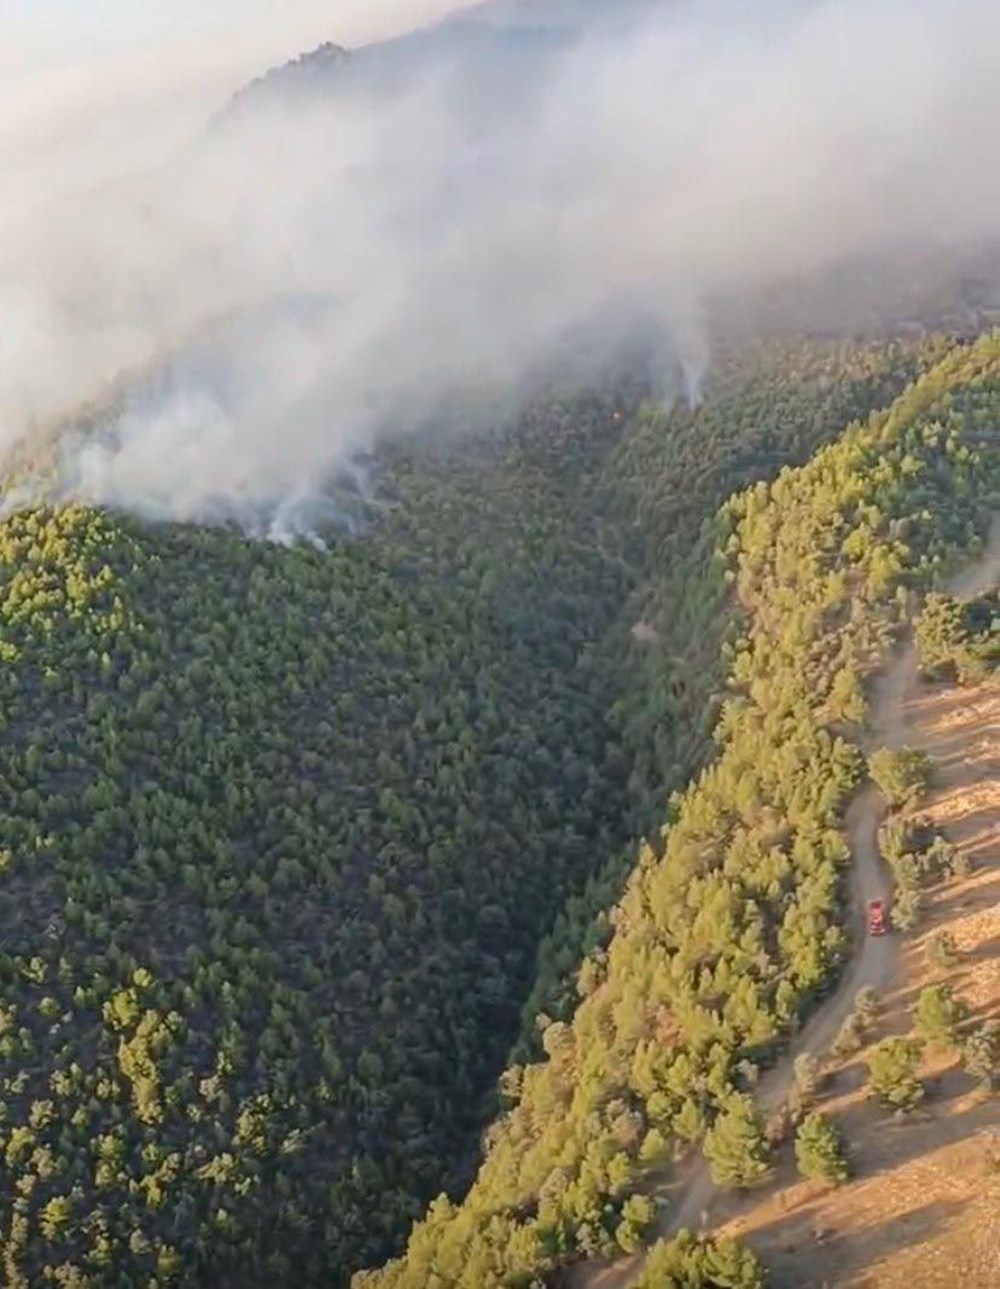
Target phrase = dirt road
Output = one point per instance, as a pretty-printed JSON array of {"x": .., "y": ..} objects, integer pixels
[{"x": 875, "y": 960}]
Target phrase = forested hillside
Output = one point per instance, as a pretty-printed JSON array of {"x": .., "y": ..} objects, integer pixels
[
  {"x": 768, "y": 404},
  {"x": 731, "y": 925},
  {"x": 284, "y": 829}
]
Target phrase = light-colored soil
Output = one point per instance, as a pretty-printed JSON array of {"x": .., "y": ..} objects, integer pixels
[{"x": 925, "y": 1207}]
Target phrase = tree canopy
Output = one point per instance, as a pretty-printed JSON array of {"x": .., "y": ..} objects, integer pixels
[
  {"x": 297, "y": 842},
  {"x": 731, "y": 925}
]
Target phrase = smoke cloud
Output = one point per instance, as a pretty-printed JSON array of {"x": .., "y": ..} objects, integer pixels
[{"x": 252, "y": 302}]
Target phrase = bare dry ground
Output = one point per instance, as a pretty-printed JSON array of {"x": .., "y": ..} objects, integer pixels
[{"x": 924, "y": 1209}]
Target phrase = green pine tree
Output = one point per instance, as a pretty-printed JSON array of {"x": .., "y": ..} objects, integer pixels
[
  {"x": 938, "y": 1015},
  {"x": 819, "y": 1152},
  {"x": 736, "y": 1146},
  {"x": 892, "y": 1073}
]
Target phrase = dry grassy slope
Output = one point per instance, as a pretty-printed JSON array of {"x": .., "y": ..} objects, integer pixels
[{"x": 924, "y": 1209}]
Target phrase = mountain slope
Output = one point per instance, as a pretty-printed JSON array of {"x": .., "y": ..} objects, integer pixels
[
  {"x": 731, "y": 925},
  {"x": 272, "y": 816},
  {"x": 283, "y": 830}
]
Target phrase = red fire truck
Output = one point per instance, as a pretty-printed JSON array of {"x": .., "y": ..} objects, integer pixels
[{"x": 876, "y": 918}]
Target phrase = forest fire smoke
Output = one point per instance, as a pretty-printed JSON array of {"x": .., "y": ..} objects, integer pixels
[{"x": 317, "y": 269}]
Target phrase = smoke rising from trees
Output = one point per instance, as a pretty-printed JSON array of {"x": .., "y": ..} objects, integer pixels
[{"x": 318, "y": 268}]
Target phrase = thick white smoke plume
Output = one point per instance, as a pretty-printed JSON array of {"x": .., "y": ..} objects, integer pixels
[{"x": 327, "y": 264}]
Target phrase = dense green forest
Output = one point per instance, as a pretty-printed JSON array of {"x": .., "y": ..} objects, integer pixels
[
  {"x": 766, "y": 405},
  {"x": 731, "y": 926},
  {"x": 295, "y": 843}
]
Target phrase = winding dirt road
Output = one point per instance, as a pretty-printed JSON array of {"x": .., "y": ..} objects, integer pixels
[{"x": 876, "y": 959}]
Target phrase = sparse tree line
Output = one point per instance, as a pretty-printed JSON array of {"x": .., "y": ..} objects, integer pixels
[{"x": 941, "y": 1021}]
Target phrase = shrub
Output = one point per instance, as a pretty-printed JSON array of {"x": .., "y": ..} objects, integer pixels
[
  {"x": 780, "y": 1123},
  {"x": 938, "y": 1014},
  {"x": 896, "y": 839},
  {"x": 939, "y": 859},
  {"x": 866, "y": 1006},
  {"x": 807, "y": 1076},
  {"x": 906, "y": 910},
  {"x": 700, "y": 1262},
  {"x": 849, "y": 1038},
  {"x": 941, "y": 950},
  {"x": 961, "y": 864},
  {"x": 902, "y": 775},
  {"x": 981, "y": 1055},
  {"x": 892, "y": 1074},
  {"x": 915, "y": 852}
]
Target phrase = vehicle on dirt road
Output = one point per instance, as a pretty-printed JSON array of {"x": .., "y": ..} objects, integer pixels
[{"x": 876, "y": 918}]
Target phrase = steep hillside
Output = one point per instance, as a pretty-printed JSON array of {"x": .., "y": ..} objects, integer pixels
[
  {"x": 921, "y": 1206},
  {"x": 273, "y": 816},
  {"x": 283, "y": 829},
  {"x": 733, "y": 923},
  {"x": 767, "y": 405}
]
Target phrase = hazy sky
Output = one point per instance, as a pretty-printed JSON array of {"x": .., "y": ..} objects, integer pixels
[
  {"x": 331, "y": 269},
  {"x": 40, "y": 36},
  {"x": 46, "y": 29},
  {"x": 88, "y": 73}
]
